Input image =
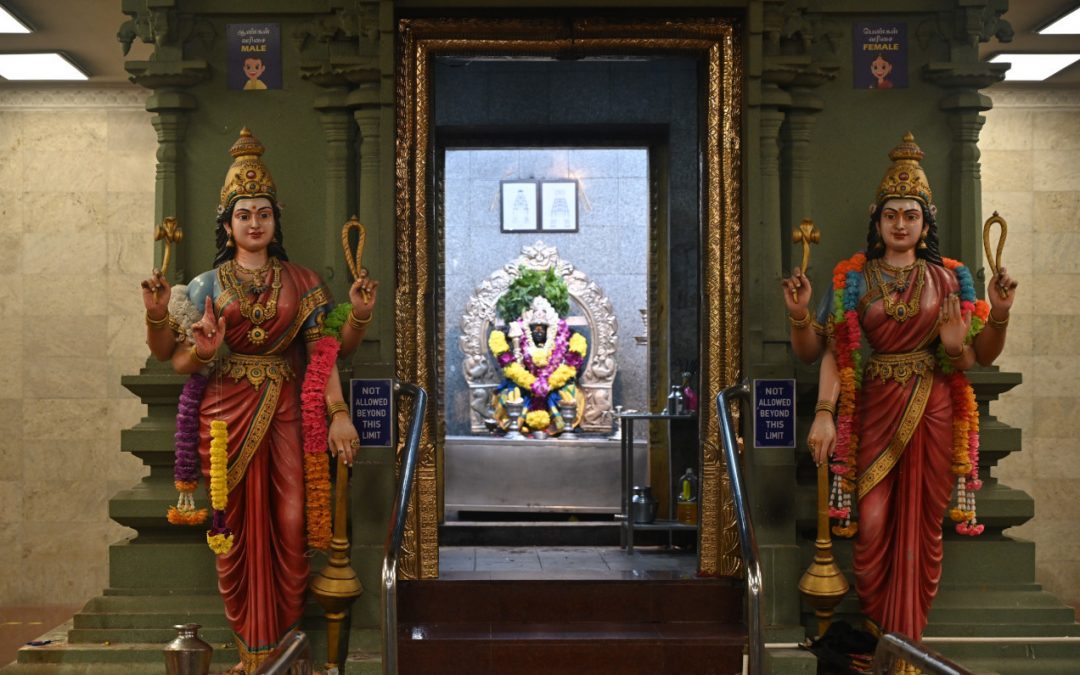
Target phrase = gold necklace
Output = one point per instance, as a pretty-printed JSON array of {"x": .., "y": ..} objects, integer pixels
[
  {"x": 257, "y": 285},
  {"x": 894, "y": 307},
  {"x": 255, "y": 312}
]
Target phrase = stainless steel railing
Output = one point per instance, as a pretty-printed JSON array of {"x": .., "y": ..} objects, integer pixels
[
  {"x": 747, "y": 541},
  {"x": 397, "y": 525},
  {"x": 292, "y": 657},
  {"x": 894, "y": 646}
]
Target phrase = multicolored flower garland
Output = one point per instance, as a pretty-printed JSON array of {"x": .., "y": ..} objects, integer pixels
[
  {"x": 554, "y": 368},
  {"x": 186, "y": 464},
  {"x": 316, "y": 460},
  {"x": 848, "y": 336}
]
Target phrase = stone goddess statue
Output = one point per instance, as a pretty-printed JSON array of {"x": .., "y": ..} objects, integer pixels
[
  {"x": 539, "y": 355},
  {"x": 906, "y": 425},
  {"x": 243, "y": 330}
]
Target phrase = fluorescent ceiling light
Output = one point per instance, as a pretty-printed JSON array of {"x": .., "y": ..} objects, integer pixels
[
  {"x": 9, "y": 24},
  {"x": 51, "y": 66},
  {"x": 1034, "y": 67},
  {"x": 1066, "y": 25}
]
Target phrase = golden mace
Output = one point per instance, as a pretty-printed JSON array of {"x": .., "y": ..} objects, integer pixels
[
  {"x": 336, "y": 587},
  {"x": 807, "y": 234},
  {"x": 823, "y": 585},
  {"x": 355, "y": 261},
  {"x": 168, "y": 231},
  {"x": 995, "y": 261}
]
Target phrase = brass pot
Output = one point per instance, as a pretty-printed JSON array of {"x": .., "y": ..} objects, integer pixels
[{"x": 188, "y": 654}]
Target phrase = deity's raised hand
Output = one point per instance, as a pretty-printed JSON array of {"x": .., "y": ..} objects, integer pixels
[
  {"x": 362, "y": 294},
  {"x": 954, "y": 325},
  {"x": 155, "y": 294},
  {"x": 797, "y": 293},
  {"x": 1000, "y": 292},
  {"x": 208, "y": 333}
]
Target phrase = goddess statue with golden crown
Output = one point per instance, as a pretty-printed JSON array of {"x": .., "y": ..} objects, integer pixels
[
  {"x": 243, "y": 330},
  {"x": 540, "y": 357},
  {"x": 901, "y": 428}
]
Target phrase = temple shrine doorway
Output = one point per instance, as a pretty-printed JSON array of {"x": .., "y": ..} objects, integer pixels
[{"x": 530, "y": 114}]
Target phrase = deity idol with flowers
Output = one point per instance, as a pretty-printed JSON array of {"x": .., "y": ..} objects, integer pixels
[{"x": 539, "y": 355}]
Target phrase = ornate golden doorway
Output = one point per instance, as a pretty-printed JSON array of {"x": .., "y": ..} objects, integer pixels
[{"x": 713, "y": 42}]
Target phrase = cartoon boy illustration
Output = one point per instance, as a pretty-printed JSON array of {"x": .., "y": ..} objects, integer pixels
[
  {"x": 880, "y": 69},
  {"x": 253, "y": 69}
]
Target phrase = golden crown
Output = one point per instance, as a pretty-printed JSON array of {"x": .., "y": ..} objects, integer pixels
[
  {"x": 905, "y": 179},
  {"x": 248, "y": 177}
]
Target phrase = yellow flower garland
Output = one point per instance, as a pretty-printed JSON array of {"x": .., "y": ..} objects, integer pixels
[
  {"x": 537, "y": 420},
  {"x": 497, "y": 342},
  {"x": 219, "y": 490},
  {"x": 561, "y": 376},
  {"x": 578, "y": 344}
]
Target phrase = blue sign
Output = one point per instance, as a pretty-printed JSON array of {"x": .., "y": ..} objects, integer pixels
[
  {"x": 774, "y": 413},
  {"x": 372, "y": 404}
]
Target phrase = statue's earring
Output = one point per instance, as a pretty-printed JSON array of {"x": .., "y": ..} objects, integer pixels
[
  {"x": 229, "y": 242},
  {"x": 922, "y": 241}
]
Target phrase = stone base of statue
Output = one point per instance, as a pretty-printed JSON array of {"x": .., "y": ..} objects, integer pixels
[{"x": 569, "y": 474}]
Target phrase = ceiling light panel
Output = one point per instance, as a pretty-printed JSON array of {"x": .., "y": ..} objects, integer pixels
[
  {"x": 1066, "y": 25},
  {"x": 50, "y": 66},
  {"x": 9, "y": 24},
  {"x": 1034, "y": 67}
]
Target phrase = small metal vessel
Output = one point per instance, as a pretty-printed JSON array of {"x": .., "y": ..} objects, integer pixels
[
  {"x": 643, "y": 505},
  {"x": 188, "y": 654}
]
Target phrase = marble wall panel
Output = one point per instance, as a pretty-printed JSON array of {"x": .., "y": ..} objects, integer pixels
[
  {"x": 74, "y": 244},
  {"x": 1029, "y": 158}
]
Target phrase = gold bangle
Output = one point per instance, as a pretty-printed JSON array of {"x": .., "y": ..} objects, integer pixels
[
  {"x": 994, "y": 322},
  {"x": 953, "y": 357},
  {"x": 335, "y": 408},
  {"x": 157, "y": 323},
  {"x": 199, "y": 359},
  {"x": 359, "y": 324},
  {"x": 801, "y": 323},
  {"x": 825, "y": 406}
]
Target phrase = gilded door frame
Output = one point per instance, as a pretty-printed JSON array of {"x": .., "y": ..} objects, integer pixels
[{"x": 714, "y": 41}]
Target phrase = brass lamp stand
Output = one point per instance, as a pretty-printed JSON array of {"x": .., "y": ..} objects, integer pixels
[
  {"x": 337, "y": 587},
  {"x": 822, "y": 584}
]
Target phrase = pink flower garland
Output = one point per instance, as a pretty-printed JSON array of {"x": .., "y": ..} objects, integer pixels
[{"x": 541, "y": 387}]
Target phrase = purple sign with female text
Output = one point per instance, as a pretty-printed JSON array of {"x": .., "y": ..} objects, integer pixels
[{"x": 880, "y": 53}]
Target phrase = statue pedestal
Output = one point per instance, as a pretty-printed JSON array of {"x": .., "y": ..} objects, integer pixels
[{"x": 565, "y": 474}]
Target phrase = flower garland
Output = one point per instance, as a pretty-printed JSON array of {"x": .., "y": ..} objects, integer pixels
[
  {"x": 848, "y": 336},
  {"x": 316, "y": 460},
  {"x": 186, "y": 464},
  {"x": 555, "y": 365},
  {"x": 219, "y": 537}
]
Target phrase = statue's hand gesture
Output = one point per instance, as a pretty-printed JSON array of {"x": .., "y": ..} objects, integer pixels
[
  {"x": 954, "y": 325},
  {"x": 155, "y": 294},
  {"x": 209, "y": 333},
  {"x": 797, "y": 293},
  {"x": 362, "y": 295},
  {"x": 1000, "y": 291}
]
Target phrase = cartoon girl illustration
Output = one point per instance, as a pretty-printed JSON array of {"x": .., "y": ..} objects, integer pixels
[{"x": 880, "y": 69}]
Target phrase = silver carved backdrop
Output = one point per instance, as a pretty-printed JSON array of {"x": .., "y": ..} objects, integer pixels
[{"x": 609, "y": 250}]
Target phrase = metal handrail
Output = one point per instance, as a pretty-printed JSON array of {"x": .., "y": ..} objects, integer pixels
[
  {"x": 747, "y": 540},
  {"x": 893, "y": 646},
  {"x": 291, "y": 657},
  {"x": 397, "y": 526}
]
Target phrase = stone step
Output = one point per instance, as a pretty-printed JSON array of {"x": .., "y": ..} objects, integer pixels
[
  {"x": 495, "y": 599},
  {"x": 572, "y": 647}
]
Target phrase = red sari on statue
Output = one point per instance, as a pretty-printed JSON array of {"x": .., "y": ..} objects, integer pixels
[
  {"x": 256, "y": 390},
  {"x": 904, "y": 459}
]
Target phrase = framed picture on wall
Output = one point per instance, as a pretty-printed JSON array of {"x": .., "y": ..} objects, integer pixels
[
  {"x": 558, "y": 206},
  {"x": 519, "y": 207}
]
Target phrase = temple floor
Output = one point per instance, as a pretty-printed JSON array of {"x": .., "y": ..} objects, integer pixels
[{"x": 554, "y": 562}]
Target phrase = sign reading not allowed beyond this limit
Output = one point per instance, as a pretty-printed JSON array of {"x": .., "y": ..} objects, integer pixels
[
  {"x": 373, "y": 411},
  {"x": 774, "y": 413}
]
